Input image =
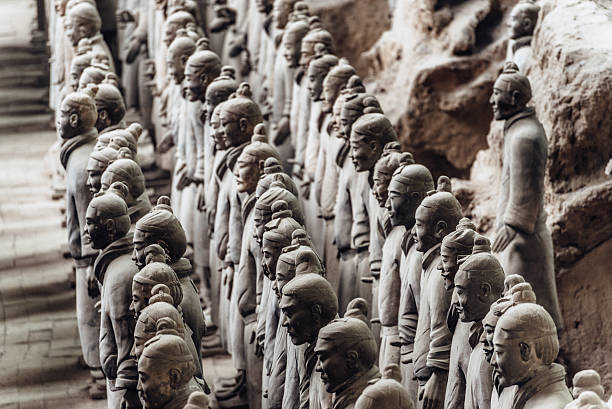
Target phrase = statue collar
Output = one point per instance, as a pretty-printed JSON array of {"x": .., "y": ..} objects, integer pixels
[
  {"x": 140, "y": 208},
  {"x": 354, "y": 387},
  {"x": 247, "y": 206},
  {"x": 70, "y": 145},
  {"x": 298, "y": 76},
  {"x": 541, "y": 379},
  {"x": 343, "y": 153},
  {"x": 233, "y": 153},
  {"x": 117, "y": 248},
  {"x": 476, "y": 330},
  {"x": 221, "y": 164},
  {"x": 96, "y": 38},
  {"x": 430, "y": 255},
  {"x": 525, "y": 113},
  {"x": 521, "y": 42},
  {"x": 120, "y": 125},
  {"x": 407, "y": 241},
  {"x": 182, "y": 267}
]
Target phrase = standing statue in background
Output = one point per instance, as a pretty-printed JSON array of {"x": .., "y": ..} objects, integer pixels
[
  {"x": 525, "y": 347},
  {"x": 522, "y": 237},
  {"x": 83, "y": 21},
  {"x": 523, "y": 19},
  {"x": 108, "y": 224},
  {"x": 438, "y": 215},
  {"x": 76, "y": 127},
  {"x": 478, "y": 283},
  {"x": 110, "y": 106}
]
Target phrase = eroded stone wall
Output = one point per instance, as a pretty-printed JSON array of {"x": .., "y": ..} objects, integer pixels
[{"x": 433, "y": 73}]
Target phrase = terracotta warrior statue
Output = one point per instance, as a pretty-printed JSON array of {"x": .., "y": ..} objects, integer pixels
[
  {"x": 587, "y": 391},
  {"x": 368, "y": 136},
  {"x": 273, "y": 172},
  {"x": 96, "y": 165},
  {"x": 437, "y": 215},
  {"x": 238, "y": 117},
  {"x": 124, "y": 138},
  {"x": 160, "y": 226},
  {"x": 83, "y": 21},
  {"x": 165, "y": 369},
  {"x": 197, "y": 400},
  {"x": 386, "y": 289},
  {"x": 408, "y": 187},
  {"x": 346, "y": 352},
  {"x": 79, "y": 63},
  {"x": 308, "y": 303},
  {"x": 283, "y": 61},
  {"x": 107, "y": 226},
  {"x": 183, "y": 193},
  {"x": 125, "y": 170},
  {"x": 110, "y": 106},
  {"x": 525, "y": 346},
  {"x": 161, "y": 311},
  {"x": 249, "y": 280},
  {"x": 326, "y": 178},
  {"x": 456, "y": 246},
  {"x": 216, "y": 92},
  {"x": 388, "y": 392},
  {"x": 523, "y": 19},
  {"x": 478, "y": 283},
  {"x": 522, "y": 238},
  {"x": 202, "y": 67},
  {"x": 76, "y": 127},
  {"x": 352, "y": 223},
  {"x": 298, "y": 258}
]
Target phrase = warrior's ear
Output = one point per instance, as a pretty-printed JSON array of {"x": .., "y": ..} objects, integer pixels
[
  {"x": 525, "y": 351},
  {"x": 74, "y": 120}
]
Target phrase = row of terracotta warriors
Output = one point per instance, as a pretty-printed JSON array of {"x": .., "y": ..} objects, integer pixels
[{"x": 214, "y": 207}]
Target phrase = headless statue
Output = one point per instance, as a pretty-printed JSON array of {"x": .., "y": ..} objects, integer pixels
[
  {"x": 522, "y": 23},
  {"x": 437, "y": 215},
  {"x": 108, "y": 224},
  {"x": 160, "y": 226},
  {"x": 165, "y": 370},
  {"x": 408, "y": 187},
  {"x": 126, "y": 170},
  {"x": 386, "y": 291},
  {"x": 76, "y": 127},
  {"x": 525, "y": 347},
  {"x": 308, "y": 303},
  {"x": 346, "y": 351},
  {"x": 522, "y": 238},
  {"x": 386, "y": 392},
  {"x": 478, "y": 283}
]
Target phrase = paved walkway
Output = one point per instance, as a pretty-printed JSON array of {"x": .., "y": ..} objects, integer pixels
[{"x": 39, "y": 343}]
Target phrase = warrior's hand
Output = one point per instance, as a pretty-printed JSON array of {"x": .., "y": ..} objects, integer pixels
[
  {"x": 281, "y": 131},
  {"x": 92, "y": 283},
  {"x": 504, "y": 236},
  {"x": 433, "y": 392},
  {"x": 166, "y": 143}
]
